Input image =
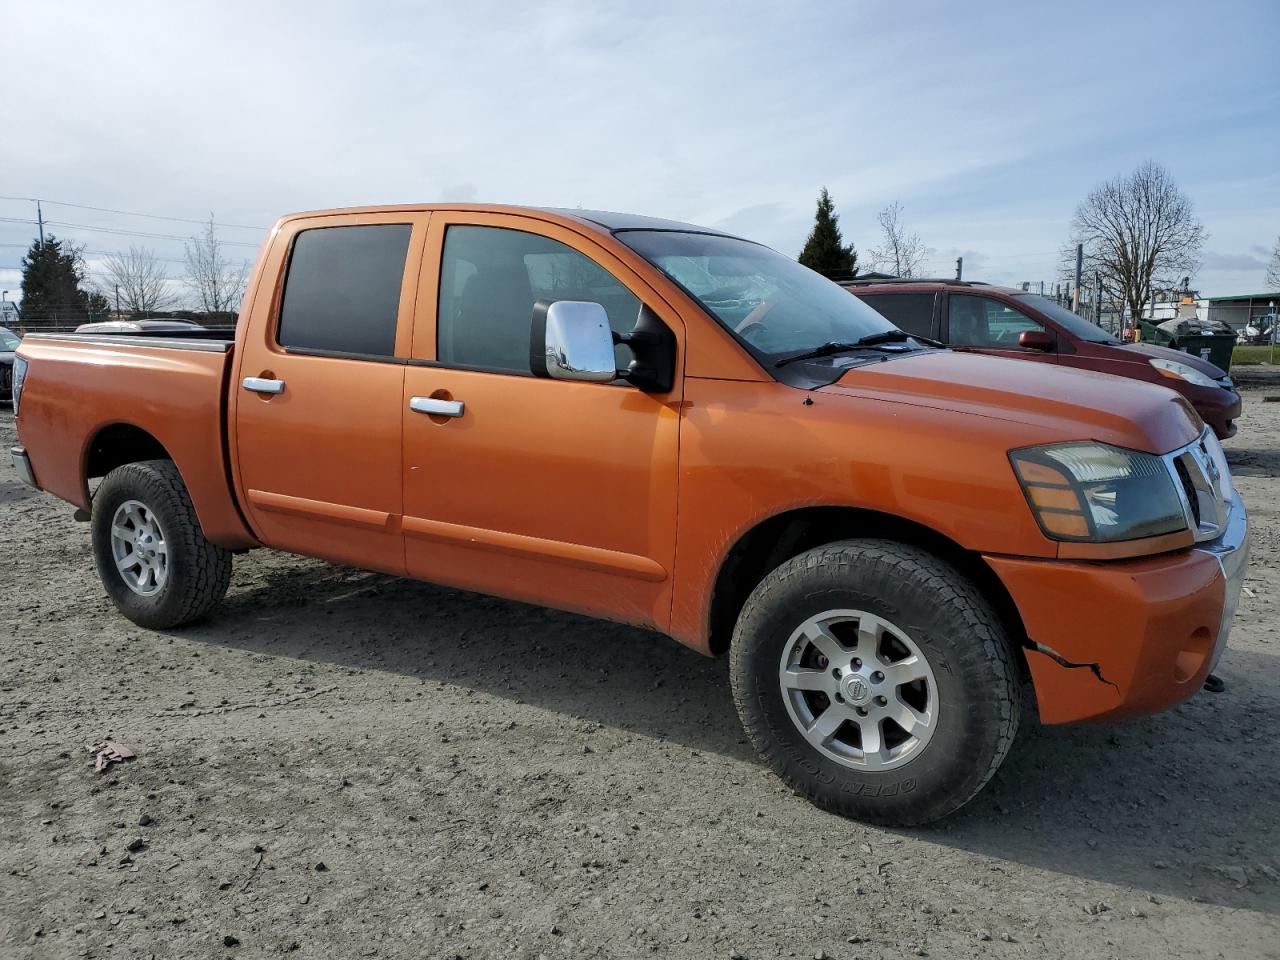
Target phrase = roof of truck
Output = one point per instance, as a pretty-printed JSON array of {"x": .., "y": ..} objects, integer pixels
[
  {"x": 603, "y": 219},
  {"x": 629, "y": 221}
]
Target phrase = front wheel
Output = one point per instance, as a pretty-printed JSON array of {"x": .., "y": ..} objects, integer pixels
[
  {"x": 876, "y": 680},
  {"x": 152, "y": 556}
]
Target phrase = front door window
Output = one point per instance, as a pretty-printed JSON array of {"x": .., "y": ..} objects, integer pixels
[{"x": 984, "y": 322}]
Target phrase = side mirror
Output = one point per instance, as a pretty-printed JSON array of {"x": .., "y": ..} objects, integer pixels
[
  {"x": 1035, "y": 340},
  {"x": 571, "y": 340}
]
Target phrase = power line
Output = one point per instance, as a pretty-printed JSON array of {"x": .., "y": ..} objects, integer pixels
[
  {"x": 123, "y": 233},
  {"x": 129, "y": 213}
]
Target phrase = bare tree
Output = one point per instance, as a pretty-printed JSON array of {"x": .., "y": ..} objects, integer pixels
[
  {"x": 141, "y": 279},
  {"x": 1139, "y": 233},
  {"x": 217, "y": 283},
  {"x": 1273, "y": 268},
  {"x": 902, "y": 253}
]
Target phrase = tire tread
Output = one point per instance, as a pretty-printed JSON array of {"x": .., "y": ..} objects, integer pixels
[
  {"x": 926, "y": 573},
  {"x": 205, "y": 572}
]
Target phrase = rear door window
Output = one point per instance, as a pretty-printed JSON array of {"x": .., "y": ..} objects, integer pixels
[
  {"x": 912, "y": 312},
  {"x": 342, "y": 290}
]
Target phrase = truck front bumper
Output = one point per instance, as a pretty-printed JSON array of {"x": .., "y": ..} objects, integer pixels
[
  {"x": 1122, "y": 639},
  {"x": 22, "y": 465}
]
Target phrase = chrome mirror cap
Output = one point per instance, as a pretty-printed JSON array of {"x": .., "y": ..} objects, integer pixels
[{"x": 576, "y": 342}]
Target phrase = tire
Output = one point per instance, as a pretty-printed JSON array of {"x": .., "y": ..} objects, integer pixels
[
  {"x": 894, "y": 598},
  {"x": 149, "y": 499}
]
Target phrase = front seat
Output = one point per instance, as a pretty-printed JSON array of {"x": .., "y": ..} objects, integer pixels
[
  {"x": 968, "y": 324},
  {"x": 494, "y": 318}
]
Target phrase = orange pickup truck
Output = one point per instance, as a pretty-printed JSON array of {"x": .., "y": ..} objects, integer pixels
[{"x": 659, "y": 424}]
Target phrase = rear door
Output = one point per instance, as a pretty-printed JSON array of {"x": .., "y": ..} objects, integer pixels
[
  {"x": 987, "y": 325},
  {"x": 557, "y": 492},
  {"x": 318, "y": 390}
]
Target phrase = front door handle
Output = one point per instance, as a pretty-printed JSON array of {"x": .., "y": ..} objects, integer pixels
[
  {"x": 439, "y": 408},
  {"x": 263, "y": 385}
]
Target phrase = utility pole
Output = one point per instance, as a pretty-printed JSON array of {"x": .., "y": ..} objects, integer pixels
[
  {"x": 40, "y": 221},
  {"x": 1097, "y": 298},
  {"x": 1075, "y": 304},
  {"x": 959, "y": 267},
  {"x": 117, "y": 301},
  {"x": 1274, "y": 325}
]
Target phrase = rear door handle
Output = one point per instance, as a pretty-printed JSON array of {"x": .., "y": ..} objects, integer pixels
[
  {"x": 263, "y": 385},
  {"x": 439, "y": 408}
]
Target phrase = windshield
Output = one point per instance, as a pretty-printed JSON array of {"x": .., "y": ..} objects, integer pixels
[
  {"x": 1078, "y": 327},
  {"x": 769, "y": 301},
  {"x": 8, "y": 341}
]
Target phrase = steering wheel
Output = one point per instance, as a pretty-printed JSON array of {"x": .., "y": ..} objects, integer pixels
[{"x": 753, "y": 322}]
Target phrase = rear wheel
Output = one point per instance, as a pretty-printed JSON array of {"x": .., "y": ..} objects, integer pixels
[
  {"x": 876, "y": 680},
  {"x": 152, "y": 556}
]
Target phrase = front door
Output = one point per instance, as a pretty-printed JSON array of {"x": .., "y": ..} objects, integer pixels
[
  {"x": 988, "y": 325},
  {"x": 318, "y": 389},
  {"x": 557, "y": 492}
]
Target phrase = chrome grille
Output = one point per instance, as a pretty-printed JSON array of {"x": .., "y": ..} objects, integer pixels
[
  {"x": 1201, "y": 473},
  {"x": 1188, "y": 489}
]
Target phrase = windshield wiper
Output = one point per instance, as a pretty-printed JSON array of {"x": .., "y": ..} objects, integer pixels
[{"x": 871, "y": 341}]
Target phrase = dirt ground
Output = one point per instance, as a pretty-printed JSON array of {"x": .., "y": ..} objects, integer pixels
[{"x": 341, "y": 764}]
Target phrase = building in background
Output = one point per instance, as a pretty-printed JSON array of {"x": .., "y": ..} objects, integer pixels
[{"x": 1237, "y": 311}]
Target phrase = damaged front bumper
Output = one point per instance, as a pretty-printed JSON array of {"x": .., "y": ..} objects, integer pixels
[{"x": 1122, "y": 639}]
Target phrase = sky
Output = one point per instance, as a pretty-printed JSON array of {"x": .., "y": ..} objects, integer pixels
[{"x": 987, "y": 122}]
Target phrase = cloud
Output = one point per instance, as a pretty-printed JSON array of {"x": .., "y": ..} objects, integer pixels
[
  {"x": 730, "y": 114},
  {"x": 460, "y": 193},
  {"x": 1232, "y": 261}
]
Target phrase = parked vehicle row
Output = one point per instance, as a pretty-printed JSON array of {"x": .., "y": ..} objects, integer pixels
[
  {"x": 1012, "y": 323},
  {"x": 665, "y": 425}
]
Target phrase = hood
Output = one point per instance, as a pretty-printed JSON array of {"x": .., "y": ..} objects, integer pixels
[
  {"x": 1052, "y": 404},
  {"x": 1165, "y": 353},
  {"x": 6, "y": 356}
]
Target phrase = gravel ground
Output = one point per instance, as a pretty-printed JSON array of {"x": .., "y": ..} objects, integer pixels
[{"x": 342, "y": 764}]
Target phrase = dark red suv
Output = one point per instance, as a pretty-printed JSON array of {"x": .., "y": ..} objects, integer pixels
[{"x": 1010, "y": 323}]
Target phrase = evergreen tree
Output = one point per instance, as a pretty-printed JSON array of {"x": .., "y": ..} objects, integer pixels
[
  {"x": 825, "y": 250},
  {"x": 51, "y": 277},
  {"x": 98, "y": 306}
]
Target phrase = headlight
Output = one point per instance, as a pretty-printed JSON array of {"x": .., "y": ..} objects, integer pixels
[
  {"x": 1180, "y": 371},
  {"x": 19, "y": 374},
  {"x": 1096, "y": 492}
]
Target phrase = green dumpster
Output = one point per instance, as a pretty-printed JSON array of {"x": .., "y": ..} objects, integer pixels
[
  {"x": 1209, "y": 340},
  {"x": 1216, "y": 348}
]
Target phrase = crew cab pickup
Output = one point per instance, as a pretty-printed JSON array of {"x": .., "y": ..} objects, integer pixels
[{"x": 660, "y": 424}]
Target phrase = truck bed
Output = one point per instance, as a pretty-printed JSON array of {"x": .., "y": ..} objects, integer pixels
[{"x": 163, "y": 394}]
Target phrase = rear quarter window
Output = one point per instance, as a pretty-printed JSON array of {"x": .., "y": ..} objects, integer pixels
[{"x": 342, "y": 289}]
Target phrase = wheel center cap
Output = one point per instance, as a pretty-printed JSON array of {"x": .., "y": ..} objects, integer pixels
[{"x": 856, "y": 689}]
